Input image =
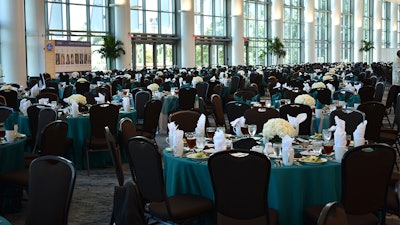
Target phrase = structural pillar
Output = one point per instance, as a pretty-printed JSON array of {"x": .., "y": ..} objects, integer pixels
[
  {"x": 237, "y": 33},
  {"x": 309, "y": 30},
  {"x": 277, "y": 23},
  {"x": 336, "y": 27},
  {"x": 122, "y": 30},
  {"x": 377, "y": 50},
  {"x": 187, "y": 34},
  {"x": 393, "y": 24},
  {"x": 358, "y": 22},
  {"x": 13, "y": 51}
]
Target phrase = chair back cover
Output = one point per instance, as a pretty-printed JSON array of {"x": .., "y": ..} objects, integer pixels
[
  {"x": 379, "y": 90},
  {"x": 51, "y": 96},
  {"x": 67, "y": 91},
  {"x": 366, "y": 172},
  {"x": 235, "y": 110},
  {"x": 366, "y": 93},
  {"x": 11, "y": 98},
  {"x": 202, "y": 89},
  {"x": 51, "y": 183},
  {"x": 82, "y": 87},
  {"x": 240, "y": 183},
  {"x": 218, "y": 110}
]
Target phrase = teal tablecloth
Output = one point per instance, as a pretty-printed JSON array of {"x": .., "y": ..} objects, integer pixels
[
  {"x": 78, "y": 130},
  {"x": 4, "y": 221},
  {"x": 12, "y": 155},
  {"x": 291, "y": 188}
]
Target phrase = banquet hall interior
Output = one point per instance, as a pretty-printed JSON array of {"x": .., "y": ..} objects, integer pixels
[{"x": 124, "y": 112}]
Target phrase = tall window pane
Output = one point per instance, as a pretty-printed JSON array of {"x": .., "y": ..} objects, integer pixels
[
  {"x": 347, "y": 31},
  {"x": 210, "y": 17},
  {"x": 322, "y": 24},
  {"x": 292, "y": 20}
]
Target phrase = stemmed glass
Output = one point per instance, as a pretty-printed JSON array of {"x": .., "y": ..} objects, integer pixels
[
  {"x": 200, "y": 142},
  {"x": 326, "y": 134},
  {"x": 252, "y": 128},
  {"x": 317, "y": 147}
]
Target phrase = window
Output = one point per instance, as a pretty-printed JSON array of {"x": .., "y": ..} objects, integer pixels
[
  {"x": 292, "y": 14},
  {"x": 386, "y": 25},
  {"x": 368, "y": 25},
  {"x": 322, "y": 31},
  {"x": 210, "y": 17},
  {"x": 78, "y": 20},
  {"x": 256, "y": 30},
  {"x": 346, "y": 32}
]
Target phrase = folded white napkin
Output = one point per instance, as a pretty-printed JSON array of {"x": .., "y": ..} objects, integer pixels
[
  {"x": 219, "y": 140},
  {"x": 213, "y": 79},
  {"x": 237, "y": 124},
  {"x": 44, "y": 101},
  {"x": 178, "y": 143},
  {"x": 358, "y": 134},
  {"x": 331, "y": 88},
  {"x": 100, "y": 99},
  {"x": 74, "y": 109},
  {"x": 340, "y": 133},
  {"x": 138, "y": 76},
  {"x": 201, "y": 124},
  {"x": 34, "y": 91},
  {"x": 23, "y": 106},
  {"x": 350, "y": 87},
  {"x": 357, "y": 86},
  {"x": 286, "y": 86},
  {"x": 180, "y": 81},
  {"x": 167, "y": 80},
  {"x": 126, "y": 104},
  {"x": 295, "y": 121},
  {"x": 306, "y": 87},
  {"x": 287, "y": 150},
  {"x": 172, "y": 127},
  {"x": 277, "y": 85},
  {"x": 224, "y": 81}
]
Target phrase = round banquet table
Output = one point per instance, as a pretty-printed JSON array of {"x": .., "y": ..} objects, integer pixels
[
  {"x": 78, "y": 130},
  {"x": 291, "y": 188},
  {"x": 12, "y": 155}
]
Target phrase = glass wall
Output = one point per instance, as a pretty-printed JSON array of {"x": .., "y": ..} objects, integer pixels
[
  {"x": 257, "y": 22},
  {"x": 368, "y": 26},
  {"x": 78, "y": 20},
  {"x": 386, "y": 25},
  {"x": 292, "y": 27},
  {"x": 322, "y": 31},
  {"x": 346, "y": 48}
]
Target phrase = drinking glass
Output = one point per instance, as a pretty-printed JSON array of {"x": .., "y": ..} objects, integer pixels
[
  {"x": 277, "y": 149},
  {"x": 190, "y": 140},
  {"x": 326, "y": 134},
  {"x": 210, "y": 131},
  {"x": 221, "y": 129},
  {"x": 245, "y": 130},
  {"x": 317, "y": 147},
  {"x": 252, "y": 129},
  {"x": 268, "y": 103},
  {"x": 200, "y": 143}
]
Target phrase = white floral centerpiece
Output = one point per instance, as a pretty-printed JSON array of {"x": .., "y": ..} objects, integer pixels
[
  {"x": 75, "y": 74},
  {"x": 153, "y": 87},
  {"x": 6, "y": 87},
  {"x": 160, "y": 73},
  {"x": 318, "y": 85},
  {"x": 305, "y": 99},
  {"x": 127, "y": 76},
  {"x": 197, "y": 79},
  {"x": 275, "y": 129},
  {"x": 78, "y": 98},
  {"x": 327, "y": 77},
  {"x": 82, "y": 80}
]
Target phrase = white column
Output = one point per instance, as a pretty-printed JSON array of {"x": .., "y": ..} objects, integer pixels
[
  {"x": 13, "y": 51},
  {"x": 237, "y": 26},
  {"x": 35, "y": 37},
  {"x": 358, "y": 18},
  {"x": 377, "y": 51},
  {"x": 122, "y": 30},
  {"x": 393, "y": 24},
  {"x": 277, "y": 22},
  {"x": 336, "y": 27},
  {"x": 187, "y": 34},
  {"x": 309, "y": 30}
]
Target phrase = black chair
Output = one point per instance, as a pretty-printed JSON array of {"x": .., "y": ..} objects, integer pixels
[
  {"x": 351, "y": 117},
  {"x": 324, "y": 96},
  {"x": 245, "y": 95},
  {"x": 152, "y": 111},
  {"x": 127, "y": 130},
  {"x": 11, "y": 97},
  {"x": 202, "y": 89},
  {"x": 240, "y": 181},
  {"x": 333, "y": 213},
  {"x": 67, "y": 91},
  {"x": 393, "y": 195},
  {"x": 101, "y": 115},
  {"x": 82, "y": 87},
  {"x": 234, "y": 86},
  {"x": 90, "y": 98},
  {"x": 379, "y": 91},
  {"x": 141, "y": 98},
  {"x": 4, "y": 113},
  {"x": 218, "y": 110},
  {"x": 186, "y": 120},
  {"x": 294, "y": 110},
  {"x": 107, "y": 94},
  {"x": 187, "y": 98},
  {"x": 260, "y": 116},
  {"x": 48, "y": 95},
  {"x": 366, "y": 93},
  {"x": 292, "y": 94},
  {"x": 374, "y": 113},
  {"x": 64, "y": 77},
  {"x": 46, "y": 115},
  {"x": 366, "y": 172},
  {"x": 51, "y": 184},
  {"x": 148, "y": 174},
  {"x": 54, "y": 139},
  {"x": 235, "y": 110},
  {"x": 115, "y": 155},
  {"x": 3, "y": 101}
]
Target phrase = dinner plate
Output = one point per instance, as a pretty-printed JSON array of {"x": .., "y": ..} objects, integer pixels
[
  {"x": 304, "y": 160},
  {"x": 257, "y": 138},
  {"x": 197, "y": 156},
  {"x": 209, "y": 151},
  {"x": 309, "y": 153},
  {"x": 300, "y": 147}
]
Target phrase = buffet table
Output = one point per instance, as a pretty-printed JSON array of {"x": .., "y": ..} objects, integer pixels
[{"x": 291, "y": 188}]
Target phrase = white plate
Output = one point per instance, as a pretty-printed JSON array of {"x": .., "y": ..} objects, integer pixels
[
  {"x": 210, "y": 145},
  {"x": 196, "y": 156},
  {"x": 322, "y": 160},
  {"x": 308, "y": 153},
  {"x": 209, "y": 151},
  {"x": 257, "y": 138}
]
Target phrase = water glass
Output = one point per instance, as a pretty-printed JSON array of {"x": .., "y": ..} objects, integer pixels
[
  {"x": 317, "y": 147},
  {"x": 326, "y": 134},
  {"x": 252, "y": 128},
  {"x": 277, "y": 149},
  {"x": 200, "y": 143},
  {"x": 210, "y": 131},
  {"x": 221, "y": 129}
]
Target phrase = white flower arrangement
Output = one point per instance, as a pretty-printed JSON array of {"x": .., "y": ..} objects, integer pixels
[
  {"x": 277, "y": 128},
  {"x": 327, "y": 77},
  {"x": 78, "y": 98},
  {"x": 241, "y": 72},
  {"x": 153, "y": 87},
  {"x": 305, "y": 99},
  {"x": 197, "y": 79},
  {"x": 75, "y": 74},
  {"x": 318, "y": 85},
  {"x": 6, "y": 87},
  {"x": 82, "y": 80},
  {"x": 160, "y": 73},
  {"x": 127, "y": 76}
]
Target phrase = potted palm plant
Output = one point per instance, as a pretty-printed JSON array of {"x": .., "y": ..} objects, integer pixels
[
  {"x": 366, "y": 46},
  {"x": 276, "y": 47},
  {"x": 111, "y": 49}
]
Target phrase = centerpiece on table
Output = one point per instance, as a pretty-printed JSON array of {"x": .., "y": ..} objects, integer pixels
[
  {"x": 196, "y": 80},
  {"x": 305, "y": 99},
  {"x": 318, "y": 85},
  {"x": 80, "y": 100},
  {"x": 275, "y": 130},
  {"x": 82, "y": 80},
  {"x": 327, "y": 77}
]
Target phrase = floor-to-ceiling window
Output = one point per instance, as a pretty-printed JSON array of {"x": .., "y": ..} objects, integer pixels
[
  {"x": 210, "y": 31},
  {"x": 322, "y": 31},
  {"x": 346, "y": 32},
  {"x": 368, "y": 26},
  {"x": 385, "y": 25},
  {"x": 292, "y": 29},
  {"x": 153, "y": 33},
  {"x": 256, "y": 28},
  {"x": 78, "y": 20}
]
